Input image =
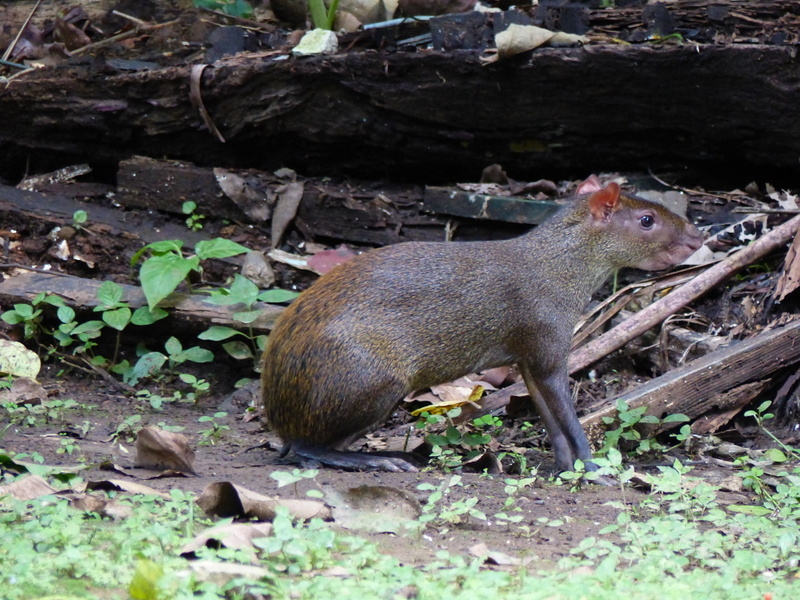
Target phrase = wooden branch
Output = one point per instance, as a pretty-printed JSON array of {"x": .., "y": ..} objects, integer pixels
[{"x": 701, "y": 385}]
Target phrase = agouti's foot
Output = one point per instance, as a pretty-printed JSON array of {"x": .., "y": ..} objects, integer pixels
[{"x": 356, "y": 461}]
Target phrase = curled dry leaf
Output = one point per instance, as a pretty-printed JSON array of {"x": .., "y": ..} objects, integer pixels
[
  {"x": 159, "y": 449},
  {"x": 289, "y": 197},
  {"x": 238, "y": 536},
  {"x": 790, "y": 276},
  {"x": 27, "y": 488},
  {"x": 22, "y": 390},
  {"x": 224, "y": 499},
  {"x": 246, "y": 192}
]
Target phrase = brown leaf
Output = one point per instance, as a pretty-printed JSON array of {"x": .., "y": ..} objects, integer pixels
[
  {"x": 72, "y": 36},
  {"x": 224, "y": 499},
  {"x": 27, "y": 488},
  {"x": 159, "y": 449},
  {"x": 790, "y": 276},
  {"x": 289, "y": 197}
]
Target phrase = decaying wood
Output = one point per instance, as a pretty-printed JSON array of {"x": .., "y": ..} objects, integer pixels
[
  {"x": 701, "y": 385},
  {"x": 59, "y": 210},
  {"x": 726, "y": 406},
  {"x": 430, "y": 116},
  {"x": 81, "y": 294}
]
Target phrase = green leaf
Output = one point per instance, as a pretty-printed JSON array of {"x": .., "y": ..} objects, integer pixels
[
  {"x": 144, "y": 584},
  {"x": 775, "y": 455},
  {"x": 238, "y": 350},
  {"x": 147, "y": 365},
  {"x": 217, "y": 333},
  {"x": 80, "y": 216},
  {"x": 24, "y": 310},
  {"x": 90, "y": 329},
  {"x": 246, "y": 316},
  {"x": 65, "y": 314},
  {"x": 109, "y": 294},
  {"x": 144, "y": 316},
  {"x": 678, "y": 418},
  {"x": 117, "y": 319},
  {"x": 159, "y": 249},
  {"x": 173, "y": 346},
  {"x": 218, "y": 248},
  {"x": 277, "y": 296},
  {"x": 193, "y": 354},
  {"x": 12, "y": 317},
  {"x": 162, "y": 274},
  {"x": 188, "y": 207}
]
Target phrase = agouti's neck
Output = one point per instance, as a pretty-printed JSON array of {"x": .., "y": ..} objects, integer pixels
[{"x": 567, "y": 254}]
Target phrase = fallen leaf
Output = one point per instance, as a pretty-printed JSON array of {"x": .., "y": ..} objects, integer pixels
[
  {"x": 790, "y": 275},
  {"x": 27, "y": 487},
  {"x": 159, "y": 449},
  {"x": 374, "y": 508},
  {"x": 17, "y": 360},
  {"x": 289, "y": 197},
  {"x": 224, "y": 499}
]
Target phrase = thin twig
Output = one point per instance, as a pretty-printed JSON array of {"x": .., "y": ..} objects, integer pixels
[{"x": 10, "y": 49}]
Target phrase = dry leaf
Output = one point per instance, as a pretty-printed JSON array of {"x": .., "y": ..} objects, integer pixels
[
  {"x": 374, "y": 508},
  {"x": 238, "y": 536},
  {"x": 27, "y": 487},
  {"x": 289, "y": 197},
  {"x": 159, "y": 449},
  {"x": 790, "y": 276},
  {"x": 224, "y": 499}
]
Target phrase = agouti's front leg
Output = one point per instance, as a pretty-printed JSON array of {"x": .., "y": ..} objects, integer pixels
[{"x": 550, "y": 393}]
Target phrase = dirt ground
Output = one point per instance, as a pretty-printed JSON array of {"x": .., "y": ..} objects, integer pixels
[{"x": 557, "y": 518}]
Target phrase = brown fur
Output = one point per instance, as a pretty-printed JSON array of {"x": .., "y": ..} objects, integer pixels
[{"x": 412, "y": 315}]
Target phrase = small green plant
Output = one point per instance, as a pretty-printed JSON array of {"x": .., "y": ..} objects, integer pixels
[
  {"x": 243, "y": 345},
  {"x": 34, "y": 415},
  {"x": 167, "y": 267},
  {"x": 294, "y": 477},
  {"x": 31, "y": 315},
  {"x": 210, "y": 436},
  {"x": 458, "y": 512},
  {"x": 193, "y": 220},
  {"x": 152, "y": 364},
  {"x": 68, "y": 446},
  {"x": 454, "y": 441},
  {"x": 234, "y": 8},
  {"x": 321, "y": 17},
  {"x": 626, "y": 435},
  {"x": 128, "y": 429},
  {"x": 79, "y": 218}
]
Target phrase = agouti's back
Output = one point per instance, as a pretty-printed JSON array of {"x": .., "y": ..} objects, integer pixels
[{"x": 412, "y": 315}]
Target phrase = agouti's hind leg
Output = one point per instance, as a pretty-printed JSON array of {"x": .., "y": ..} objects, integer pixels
[{"x": 357, "y": 461}]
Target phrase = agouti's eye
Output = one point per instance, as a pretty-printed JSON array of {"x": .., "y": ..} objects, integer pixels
[{"x": 647, "y": 221}]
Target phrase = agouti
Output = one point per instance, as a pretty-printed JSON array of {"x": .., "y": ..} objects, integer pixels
[{"x": 412, "y": 315}]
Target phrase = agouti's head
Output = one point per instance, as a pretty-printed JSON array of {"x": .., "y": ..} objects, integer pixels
[{"x": 638, "y": 233}]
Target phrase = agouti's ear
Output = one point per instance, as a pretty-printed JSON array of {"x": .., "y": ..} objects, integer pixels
[
  {"x": 605, "y": 202},
  {"x": 592, "y": 184}
]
